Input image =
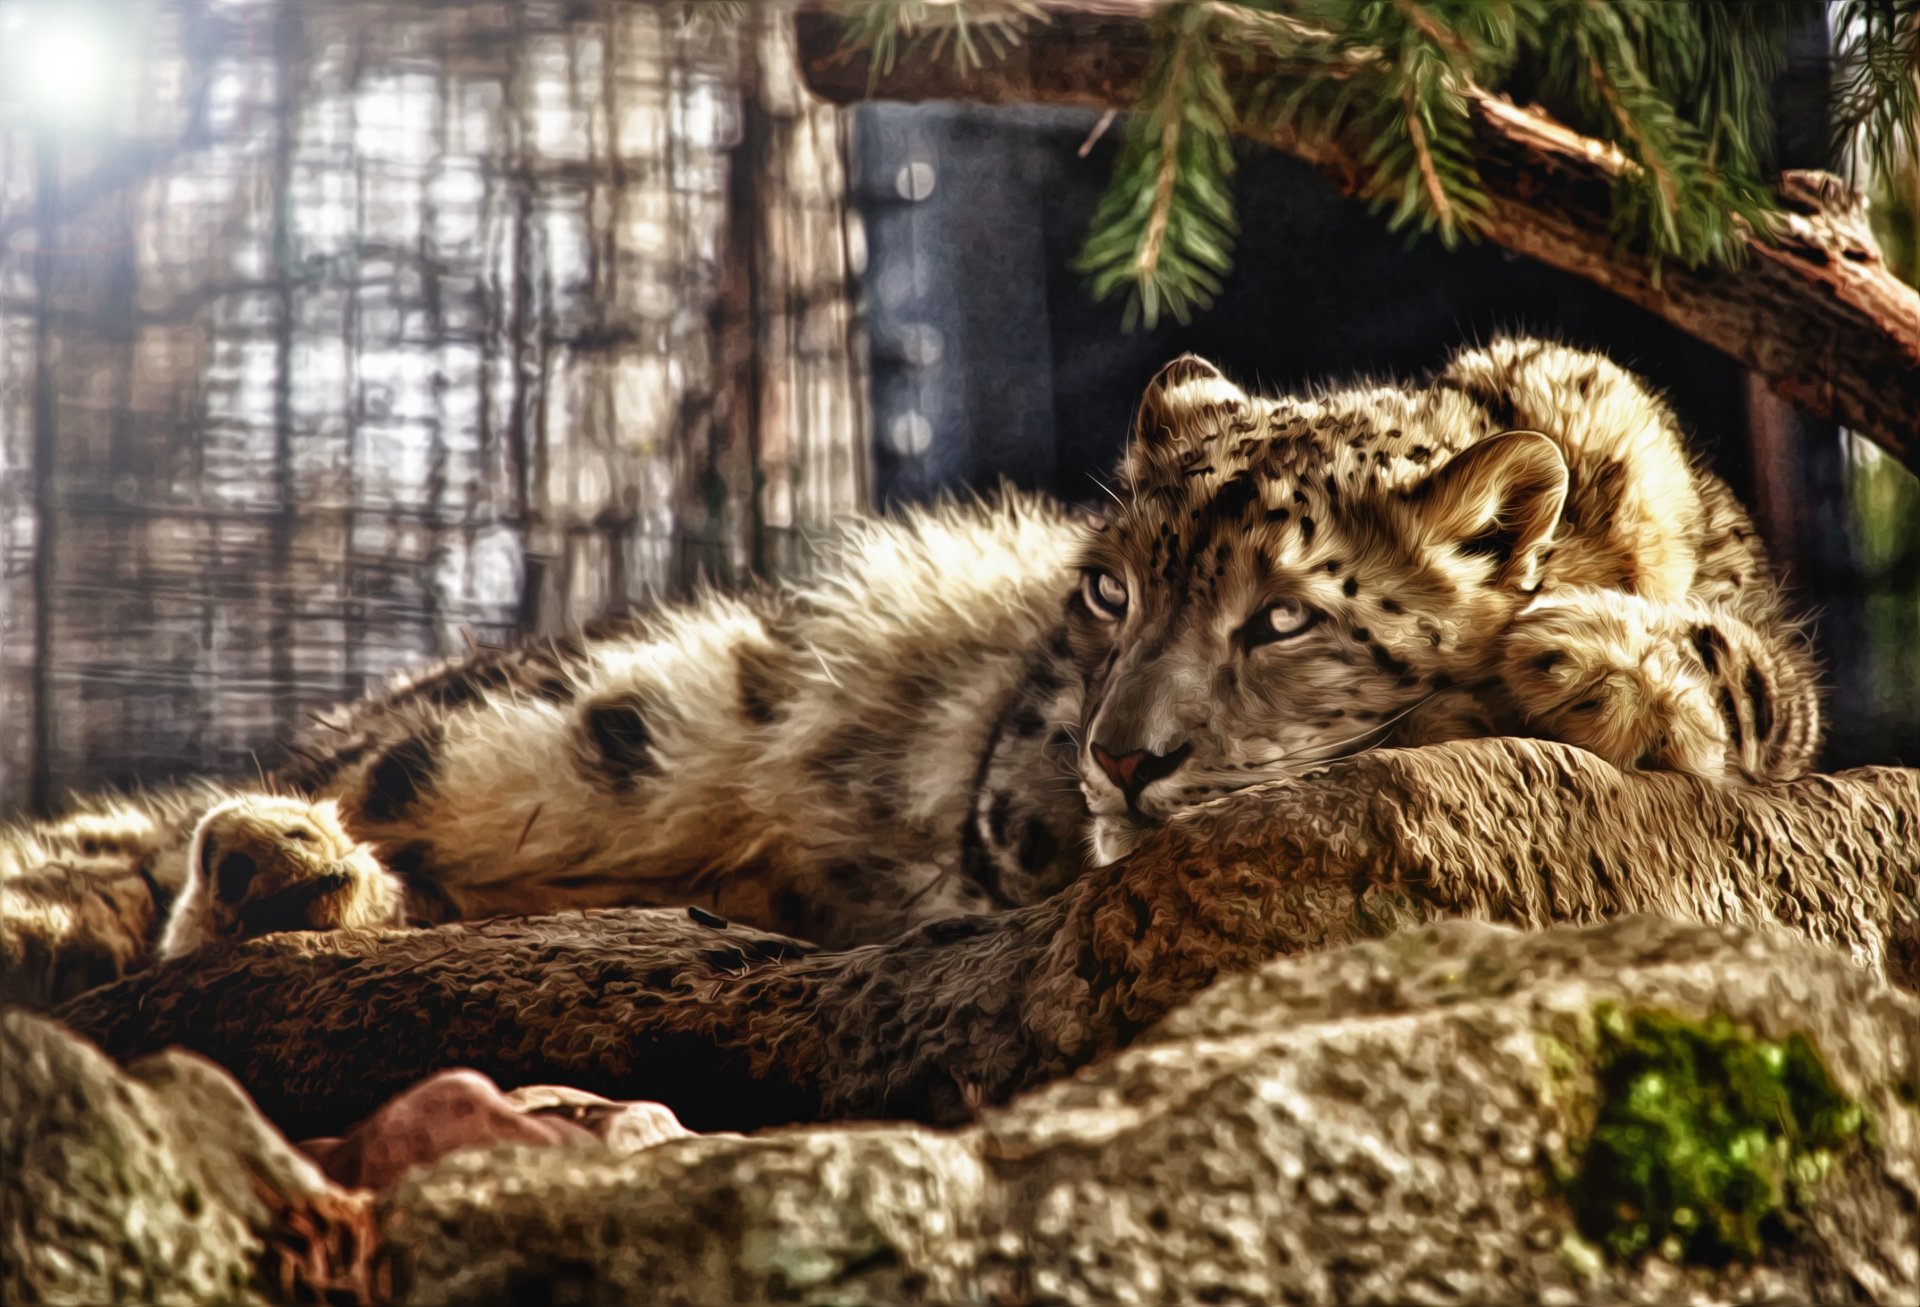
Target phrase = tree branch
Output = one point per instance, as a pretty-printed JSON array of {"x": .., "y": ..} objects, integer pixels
[
  {"x": 1816, "y": 312},
  {"x": 734, "y": 1029}
]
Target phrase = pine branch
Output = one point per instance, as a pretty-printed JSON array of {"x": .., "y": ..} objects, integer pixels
[
  {"x": 1430, "y": 28},
  {"x": 1163, "y": 230},
  {"x": 1405, "y": 116},
  {"x": 1645, "y": 74},
  {"x": 1877, "y": 82},
  {"x": 1814, "y": 309},
  {"x": 1166, "y": 169},
  {"x": 891, "y": 29},
  {"x": 1728, "y": 93},
  {"x": 1678, "y": 85},
  {"x": 1645, "y": 150},
  {"x": 1442, "y": 211}
]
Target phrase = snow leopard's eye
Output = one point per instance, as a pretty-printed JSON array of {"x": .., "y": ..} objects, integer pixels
[
  {"x": 1105, "y": 593},
  {"x": 1279, "y": 621}
]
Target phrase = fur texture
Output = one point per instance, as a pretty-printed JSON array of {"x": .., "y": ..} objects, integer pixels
[
  {"x": 261, "y": 864},
  {"x": 1521, "y": 547},
  {"x": 981, "y": 700}
]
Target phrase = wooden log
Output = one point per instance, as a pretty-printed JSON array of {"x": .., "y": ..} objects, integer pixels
[{"x": 733, "y": 1028}]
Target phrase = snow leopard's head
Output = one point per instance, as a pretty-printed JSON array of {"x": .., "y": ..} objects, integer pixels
[{"x": 1286, "y": 581}]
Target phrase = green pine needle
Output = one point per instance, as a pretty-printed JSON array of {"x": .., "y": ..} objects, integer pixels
[
  {"x": 1682, "y": 87},
  {"x": 1877, "y": 82},
  {"x": 1163, "y": 232},
  {"x": 976, "y": 34}
]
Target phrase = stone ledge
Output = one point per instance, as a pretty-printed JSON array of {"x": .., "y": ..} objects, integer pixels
[{"x": 1407, "y": 1118}]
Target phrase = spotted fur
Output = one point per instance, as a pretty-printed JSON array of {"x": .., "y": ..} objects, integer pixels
[
  {"x": 978, "y": 702},
  {"x": 1522, "y": 546}
]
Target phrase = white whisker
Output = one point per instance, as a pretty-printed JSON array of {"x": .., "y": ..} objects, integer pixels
[
  {"x": 1330, "y": 751},
  {"x": 821, "y": 659}
]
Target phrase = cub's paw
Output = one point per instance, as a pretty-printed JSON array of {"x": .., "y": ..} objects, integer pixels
[
  {"x": 1619, "y": 676},
  {"x": 262, "y": 863}
]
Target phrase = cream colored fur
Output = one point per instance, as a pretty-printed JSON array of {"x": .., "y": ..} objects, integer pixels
[
  {"x": 1519, "y": 546},
  {"x": 261, "y": 863},
  {"x": 1522, "y": 546}
]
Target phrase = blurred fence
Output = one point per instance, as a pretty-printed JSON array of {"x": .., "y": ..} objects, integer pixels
[{"x": 358, "y": 325}]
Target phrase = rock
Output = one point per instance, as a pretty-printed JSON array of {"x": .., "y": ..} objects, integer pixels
[
  {"x": 623, "y": 1127},
  {"x": 440, "y": 1115},
  {"x": 163, "y": 1183},
  {"x": 1642, "y": 1111},
  {"x": 158, "y": 1184}
]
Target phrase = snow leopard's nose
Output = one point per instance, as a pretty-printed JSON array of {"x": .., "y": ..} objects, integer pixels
[
  {"x": 1136, "y": 770},
  {"x": 1119, "y": 770}
]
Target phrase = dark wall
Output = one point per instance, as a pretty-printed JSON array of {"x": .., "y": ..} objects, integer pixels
[{"x": 981, "y": 324}]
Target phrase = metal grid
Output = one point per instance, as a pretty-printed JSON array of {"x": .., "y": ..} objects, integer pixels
[{"x": 370, "y": 325}]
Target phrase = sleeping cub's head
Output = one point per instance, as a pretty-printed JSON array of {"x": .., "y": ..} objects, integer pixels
[{"x": 1287, "y": 582}]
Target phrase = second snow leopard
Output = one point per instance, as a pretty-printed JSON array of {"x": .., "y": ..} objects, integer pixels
[{"x": 980, "y": 702}]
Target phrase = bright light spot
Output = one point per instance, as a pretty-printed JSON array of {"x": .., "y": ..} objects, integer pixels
[
  {"x": 915, "y": 180},
  {"x": 910, "y": 434},
  {"x": 57, "y": 63},
  {"x": 921, "y": 345}
]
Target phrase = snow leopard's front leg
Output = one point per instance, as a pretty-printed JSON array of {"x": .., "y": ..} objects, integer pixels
[
  {"x": 85, "y": 894},
  {"x": 1651, "y": 685}
]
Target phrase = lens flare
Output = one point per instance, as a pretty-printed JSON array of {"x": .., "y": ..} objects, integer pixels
[{"x": 56, "y": 62}]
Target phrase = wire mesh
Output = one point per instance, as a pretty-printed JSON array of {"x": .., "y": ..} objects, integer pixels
[{"x": 368, "y": 327}]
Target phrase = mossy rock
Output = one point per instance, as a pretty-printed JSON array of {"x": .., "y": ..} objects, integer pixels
[{"x": 1706, "y": 1140}]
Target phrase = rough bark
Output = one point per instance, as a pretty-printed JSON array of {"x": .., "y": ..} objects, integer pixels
[
  {"x": 1816, "y": 311},
  {"x": 735, "y": 1029}
]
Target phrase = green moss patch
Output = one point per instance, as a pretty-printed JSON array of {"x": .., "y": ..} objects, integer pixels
[{"x": 1705, "y": 1139}]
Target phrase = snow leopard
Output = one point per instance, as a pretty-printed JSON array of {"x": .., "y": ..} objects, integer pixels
[{"x": 980, "y": 701}]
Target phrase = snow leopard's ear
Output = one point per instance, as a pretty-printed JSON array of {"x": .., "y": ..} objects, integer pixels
[
  {"x": 1499, "y": 499},
  {"x": 1189, "y": 403}
]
